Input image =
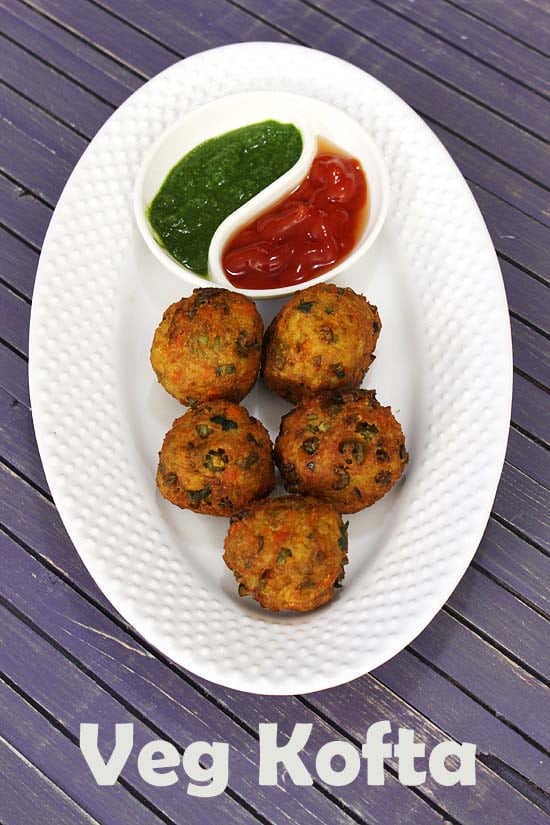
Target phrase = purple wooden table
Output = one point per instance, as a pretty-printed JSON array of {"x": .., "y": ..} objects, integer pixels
[{"x": 479, "y": 74}]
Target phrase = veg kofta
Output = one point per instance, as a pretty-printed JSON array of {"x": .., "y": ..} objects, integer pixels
[
  {"x": 208, "y": 346},
  {"x": 343, "y": 447},
  {"x": 322, "y": 339},
  {"x": 288, "y": 553},
  {"x": 216, "y": 459}
]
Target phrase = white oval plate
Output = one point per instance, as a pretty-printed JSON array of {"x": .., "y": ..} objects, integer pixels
[{"x": 443, "y": 363}]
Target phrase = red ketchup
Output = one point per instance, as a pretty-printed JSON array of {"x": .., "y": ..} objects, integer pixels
[{"x": 307, "y": 233}]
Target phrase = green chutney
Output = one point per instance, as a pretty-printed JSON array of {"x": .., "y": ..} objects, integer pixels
[{"x": 213, "y": 180}]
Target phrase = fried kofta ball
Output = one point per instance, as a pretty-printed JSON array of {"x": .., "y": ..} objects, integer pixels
[
  {"x": 216, "y": 459},
  {"x": 322, "y": 339},
  {"x": 288, "y": 553},
  {"x": 342, "y": 447},
  {"x": 208, "y": 346}
]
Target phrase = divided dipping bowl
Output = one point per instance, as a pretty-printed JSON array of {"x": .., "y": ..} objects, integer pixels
[{"x": 314, "y": 119}]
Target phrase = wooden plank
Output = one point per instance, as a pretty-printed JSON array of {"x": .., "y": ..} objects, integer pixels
[
  {"x": 486, "y": 673},
  {"x": 137, "y": 51},
  {"x": 530, "y": 408},
  {"x": 426, "y": 94},
  {"x": 34, "y": 520},
  {"x": 529, "y": 457},
  {"x": 26, "y": 795},
  {"x": 71, "y": 697},
  {"x": 519, "y": 566},
  {"x": 520, "y": 19},
  {"x": 22, "y": 213},
  {"x": 60, "y": 760},
  {"x": 527, "y": 297},
  {"x": 484, "y": 42},
  {"x": 17, "y": 440},
  {"x": 531, "y": 352},
  {"x": 140, "y": 682},
  {"x": 14, "y": 319},
  {"x": 503, "y": 620},
  {"x": 514, "y": 234},
  {"x": 18, "y": 263},
  {"x": 495, "y": 177},
  {"x": 74, "y": 57},
  {"x": 442, "y": 61},
  {"x": 57, "y": 94},
  {"x": 447, "y": 706},
  {"x": 40, "y": 126},
  {"x": 13, "y": 375},
  {"x": 186, "y": 33},
  {"x": 31, "y": 164},
  {"x": 524, "y": 504}
]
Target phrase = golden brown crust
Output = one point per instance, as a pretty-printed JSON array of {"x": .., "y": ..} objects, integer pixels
[
  {"x": 288, "y": 553},
  {"x": 216, "y": 459},
  {"x": 208, "y": 346},
  {"x": 342, "y": 447},
  {"x": 323, "y": 339}
]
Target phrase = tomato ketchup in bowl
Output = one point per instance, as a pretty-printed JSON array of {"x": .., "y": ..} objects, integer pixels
[
  {"x": 305, "y": 234},
  {"x": 319, "y": 227}
]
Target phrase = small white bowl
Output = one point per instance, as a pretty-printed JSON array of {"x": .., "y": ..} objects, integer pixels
[{"x": 314, "y": 119}]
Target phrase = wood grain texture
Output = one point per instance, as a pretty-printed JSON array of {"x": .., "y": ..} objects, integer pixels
[
  {"x": 503, "y": 620},
  {"x": 529, "y": 457},
  {"x": 522, "y": 20},
  {"x": 530, "y": 408},
  {"x": 13, "y": 379},
  {"x": 468, "y": 660},
  {"x": 57, "y": 94},
  {"x": 135, "y": 50},
  {"x": 14, "y": 319},
  {"x": 60, "y": 760},
  {"x": 70, "y": 54},
  {"x": 531, "y": 352},
  {"x": 40, "y": 126},
  {"x": 516, "y": 564},
  {"x": 483, "y": 42},
  {"x": 22, "y": 213},
  {"x": 524, "y": 504},
  {"x": 33, "y": 165},
  {"x": 18, "y": 263},
  {"x": 71, "y": 697},
  {"x": 26, "y": 795}
]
